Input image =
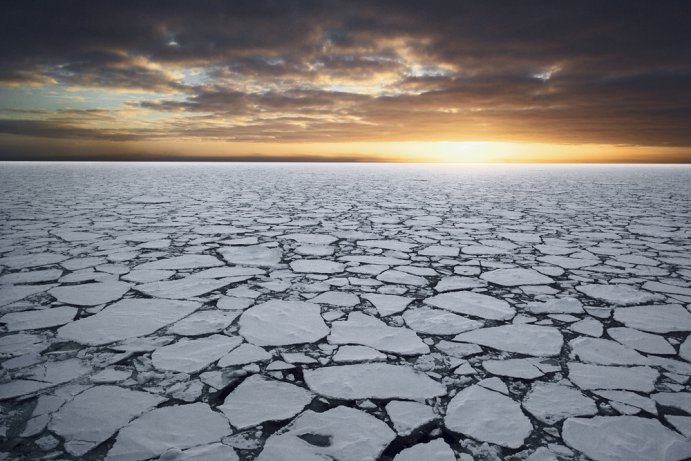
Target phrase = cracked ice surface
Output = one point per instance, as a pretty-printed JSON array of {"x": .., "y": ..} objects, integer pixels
[{"x": 344, "y": 312}]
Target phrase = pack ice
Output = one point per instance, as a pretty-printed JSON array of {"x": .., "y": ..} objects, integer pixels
[{"x": 344, "y": 312}]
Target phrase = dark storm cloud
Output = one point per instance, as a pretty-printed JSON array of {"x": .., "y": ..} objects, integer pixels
[
  {"x": 59, "y": 130},
  {"x": 576, "y": 72}
]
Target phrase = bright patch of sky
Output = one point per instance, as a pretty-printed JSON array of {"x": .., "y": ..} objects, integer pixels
[
  {"x": 418, "y": 70},
  {"x": 56, "y": 97},
  {"x": 196, "y": 77},
  {"x": 547, "y": 74}
]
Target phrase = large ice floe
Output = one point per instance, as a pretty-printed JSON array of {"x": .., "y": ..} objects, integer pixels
[
  {"x": 258, "y": 399},
  {"x": 279, "y": 323},
  {"x": 344, "y": 312},
  {"x": 129, "y": 318},
  {"x": 488, "y": 416},
  {"x": 372, "y": 381}
]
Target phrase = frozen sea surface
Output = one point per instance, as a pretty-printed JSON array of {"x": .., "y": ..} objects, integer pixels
[{"x": 344, "y": 312}]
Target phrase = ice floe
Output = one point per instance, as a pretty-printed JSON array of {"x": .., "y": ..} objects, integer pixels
[
  {"x": 193, "y": 355},
  {"x": 556, "y": 306},
  {"x": 551, "y": 403},
  {"x": 279, "y": 323},
  {"x": 189, "y": 261},
  {"x": 358, "y": 354},
  {"x": 663, "y": 318},
  {"x": 339, "y": 434},
  {"x": 521, "y": 338},
  {"x": 641, "y": 341},
  {"x": 252, "y": 255},
  {"x": 32, "y": 260},
  {"x": 257, "y": 400},
  {"x": 388, "y": 304},
  {"x": 438, "y": 322},
  {"x": 210, "y": 452},
  {"x": 90, "y": 294},
  {"x": 203, "y": 322},
  {"x": 619, "y": 295},
  {"x": 605, "y": 352},
  {"x": 124, "y": 319},
  {"x": 434, "y": 450},
  {"x": 372, "y": 381},
  {"x": 513, "y": 368},
  {"x": 630, "y": 438},
  {"x": 316, "y": 266},
  {"x": 97, "y": 413},
  {"x": 587, "y": 376},
  {"x": 402, "y": 278},
  {"x": 336, "y": 298},
  {"x": 369, "y": 331},
  {"x": 474, "y": 304},
  {"x": 155, "y": 432},
  {"x": 11, "y": 293},
  {"x": 37, "y": 276},
  {"x": 516, "y": 277},
  {"x": 188, "y": 287},
  {"x": 409, "y": 416},
  {"x": 488, "y": 416},
  {"x": 38, "y": 319},
  {"x": 244, "y": 354}
]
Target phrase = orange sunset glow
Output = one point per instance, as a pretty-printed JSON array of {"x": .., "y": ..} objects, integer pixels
[{"x": 344, "y": 81}]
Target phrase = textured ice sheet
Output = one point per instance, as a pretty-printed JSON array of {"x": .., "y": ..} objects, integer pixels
[{"x": 349, "y": 312}]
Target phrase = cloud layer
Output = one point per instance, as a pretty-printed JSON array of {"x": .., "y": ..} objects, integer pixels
[{"x": 616, "y": 72}]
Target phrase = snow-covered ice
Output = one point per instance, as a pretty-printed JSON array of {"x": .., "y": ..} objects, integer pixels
[
  {"x": 243, "y": 354},
  {"x": 409, "y": 416},
  {"x": 358, "y": 354},
  {"x": 90, "y": 294},
  {"x": 641, "y": 341},
  {"x": 129, "y": 318},
  {"x": 588, "y": 376},
  {"x": 605, "y": 352},
  {"x": 520, "y": 338},
  {"x": 372, "y": 381},
  {"x": 38, "y": 319},
  {"x": 625, "y": 437},
  {"x": 316, "y": 266},
  {"x": 438, "y": 322},
  {"x": 369, "y": 331},
  {"x": 388, "y": 304},
  {"x": 516, "y": 277},
  {"x": 181, "y": 262},
  {"x": 257, "y": 400},
  {"x": 253, "y": 255},
  {"x": 550, "y": 403},
  {"x": 344, "y": 312},
  {"x": 279, "y": 323},
  {"x": 203, "y": 322},
  {"x": 514, "y": 368},
  {"x": 619, "y": 295},
  {"x": 341, "y": 434},
  {"x": 474, "y": 304},
  {"x": 98, "y": 412},
  {"x": 192, "y": 355},
  {"x": 655, "y": 318},
  {"x": 188, "y": 287},
  {"x": 435, "y": 450},
  {"x": 488, "y": 416},
  {"x": 180, "y": 426}
]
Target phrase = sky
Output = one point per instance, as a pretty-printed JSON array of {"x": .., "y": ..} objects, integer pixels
[{"x": 419, "y": 81}]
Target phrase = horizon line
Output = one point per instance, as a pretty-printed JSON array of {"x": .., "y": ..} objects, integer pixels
[{"x": 332, "y": 161}]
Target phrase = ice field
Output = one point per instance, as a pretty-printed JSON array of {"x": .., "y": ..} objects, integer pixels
[{"x": 344, "y": 312}]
